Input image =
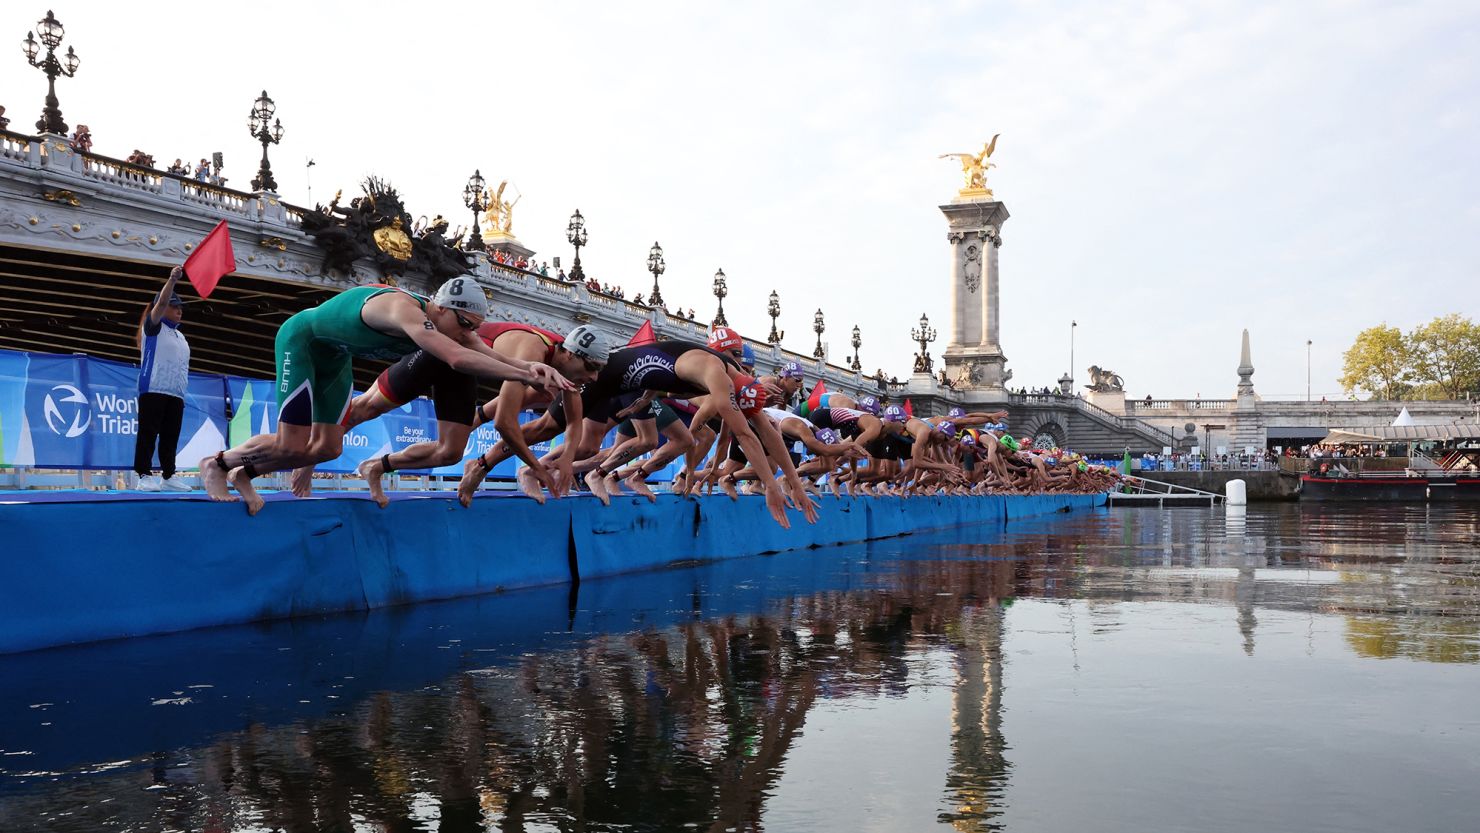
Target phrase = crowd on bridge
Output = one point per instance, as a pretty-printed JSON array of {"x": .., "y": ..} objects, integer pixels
[{"x": 659, "y": 402}]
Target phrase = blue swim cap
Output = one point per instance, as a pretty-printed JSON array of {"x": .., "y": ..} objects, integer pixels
[{"x": 747, "y": 355}]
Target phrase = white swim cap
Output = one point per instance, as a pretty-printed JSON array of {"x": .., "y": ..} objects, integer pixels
[
  {"x": 463, "y": 295},
  {"x": 588, "y": 343}
]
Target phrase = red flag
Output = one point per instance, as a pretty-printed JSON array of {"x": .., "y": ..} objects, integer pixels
[
  {"x": 814, "y": 400},
  {"x": 211, "y": 261},
  {"x": 644, "y": 335},
  {"x": 909, "y": 410}
]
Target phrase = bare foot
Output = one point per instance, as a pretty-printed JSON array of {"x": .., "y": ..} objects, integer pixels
[
  {"x": 598, "y": 487},
  {"x": 214, "y": 481},
  {"x": 727, "y": 484},
  {"x": 301, "y": 481},
  {"x": 614, "y": 484},
  {"x": 243, "y": 483},
  {"x": 473, "y": 474},
  {"x": 530, "y": 485},
  {"x": 372, "y": 471},
  {"x": 637, "y": 482}
]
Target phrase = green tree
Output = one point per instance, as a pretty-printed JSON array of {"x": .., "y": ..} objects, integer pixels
[
  {"x": 1446, "y": 355},
  {"x": 1378, "y": 362}
]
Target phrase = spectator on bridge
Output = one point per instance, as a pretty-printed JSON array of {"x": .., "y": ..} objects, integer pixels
[
  {"x": 82, "y": 139},
  {"x": 545, "y": 269},
  {"x": 560, "y": 274},
  {"x": 4, "y": 122},
  {"x": 203, "y": 171},
  {"x": 164, "y": 374},
  {"x": 178, "y": 167}
]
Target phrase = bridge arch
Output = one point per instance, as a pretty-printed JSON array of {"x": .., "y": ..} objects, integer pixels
[{"x": 1045, "y": 432}]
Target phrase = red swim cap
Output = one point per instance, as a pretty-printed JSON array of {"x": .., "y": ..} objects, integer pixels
[
  {"x": 749, "y": 396},
  {"x": 725, "y": 339}
]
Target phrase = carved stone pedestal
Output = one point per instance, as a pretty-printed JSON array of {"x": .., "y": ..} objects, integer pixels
[
  {"x": 974, "y": 360},
  {"x": 507, "y": 243}
]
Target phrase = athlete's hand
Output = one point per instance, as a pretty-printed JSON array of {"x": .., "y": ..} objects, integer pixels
[
  {"x": 642, "y": 403},
  {"x": 775, "y": 396},
  {"x": 541, "y": 473},
  {"x": 544, "y": 376},
  {"x": 777, "y": 504},
  {"x": 802, "y": 501},
  {"x": 564, "y": 477}
]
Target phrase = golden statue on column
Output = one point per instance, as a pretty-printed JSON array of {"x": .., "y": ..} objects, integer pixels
[
  {"x": 498, "y": 219},
  {"x": 974, "y": 166}
]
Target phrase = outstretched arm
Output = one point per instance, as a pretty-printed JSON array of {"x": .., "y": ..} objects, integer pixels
[{"x": 162, "y": 300}]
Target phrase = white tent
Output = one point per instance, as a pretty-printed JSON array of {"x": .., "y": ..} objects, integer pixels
[{"x": 1404, "y": 418}]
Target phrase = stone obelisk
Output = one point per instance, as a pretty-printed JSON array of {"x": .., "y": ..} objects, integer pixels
[{"x": 974, "y": 359}]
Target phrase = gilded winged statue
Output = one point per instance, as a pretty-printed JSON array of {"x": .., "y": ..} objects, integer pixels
[
  {"x": 974, "y": 166},
  {"x": 500, "y": 214}
]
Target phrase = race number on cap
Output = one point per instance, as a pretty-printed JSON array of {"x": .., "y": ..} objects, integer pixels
[{"x": 463, "y": 295}]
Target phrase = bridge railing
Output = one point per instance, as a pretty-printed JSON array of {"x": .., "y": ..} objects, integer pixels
[
  {"x": 1125, "y": 423},
  {"x": 1154, "y": 405}
]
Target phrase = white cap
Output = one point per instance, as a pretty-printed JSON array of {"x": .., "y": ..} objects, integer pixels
[
  {"x": 463, "y": 295},
  {"x": 589, "y": 343}
]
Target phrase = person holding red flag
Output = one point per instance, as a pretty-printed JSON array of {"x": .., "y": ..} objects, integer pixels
[{"x": 164, "y": 376}]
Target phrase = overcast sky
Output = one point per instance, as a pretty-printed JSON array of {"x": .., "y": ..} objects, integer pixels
[{"x": 1175, "y": 171}]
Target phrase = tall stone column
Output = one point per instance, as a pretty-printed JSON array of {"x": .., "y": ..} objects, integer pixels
[{"x": 974, "y": 357}]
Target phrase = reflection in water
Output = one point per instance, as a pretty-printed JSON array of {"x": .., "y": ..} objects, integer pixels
[{"x": 678, "y": 698}]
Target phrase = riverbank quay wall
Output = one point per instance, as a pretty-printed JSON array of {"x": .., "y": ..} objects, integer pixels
[
  {"x": 1262, "y": 485},
  {"x": 92, "y": 566}
]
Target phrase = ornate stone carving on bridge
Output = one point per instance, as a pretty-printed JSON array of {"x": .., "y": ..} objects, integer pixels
[
  {"x": 375, "y": 227},
  {"x": 971, "y": 270},
  {"x": 1104, "y": 380}
]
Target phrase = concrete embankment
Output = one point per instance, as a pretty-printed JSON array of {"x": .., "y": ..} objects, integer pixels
[{"x": 1263, "y": 485}]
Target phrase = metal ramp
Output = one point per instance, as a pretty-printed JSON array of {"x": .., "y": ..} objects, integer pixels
[{"x": 1163, "y": 495}]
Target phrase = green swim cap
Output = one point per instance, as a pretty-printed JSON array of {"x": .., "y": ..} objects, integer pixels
[{"x": 1007, "y": 440}]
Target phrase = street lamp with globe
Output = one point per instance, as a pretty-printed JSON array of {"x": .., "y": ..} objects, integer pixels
[
  {"x": 269, "y": 131},
  {"x": 51, "y": 32}
]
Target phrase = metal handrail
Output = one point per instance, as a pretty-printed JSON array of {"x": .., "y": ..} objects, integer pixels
[{"x": 1140, "y": 483}]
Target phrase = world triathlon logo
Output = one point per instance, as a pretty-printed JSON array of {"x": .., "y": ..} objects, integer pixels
[{"x": 67, "y": 415}]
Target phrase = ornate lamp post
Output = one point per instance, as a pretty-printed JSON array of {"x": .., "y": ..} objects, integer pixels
[
  {"x": 857, "y": 343},
  {"x": 657, "y": 267},
  {"x": 575, "y": 234},
  {"x": 773, "y": 309},
  {"x": 269, "y": 131},
  {"x": 924, "y": 335},
  {"x": 475, "y": 197},
  {"x": 51, "y": 37},
  {"x": 818, "y": 327},
  {"x": 721, "y": 289}
]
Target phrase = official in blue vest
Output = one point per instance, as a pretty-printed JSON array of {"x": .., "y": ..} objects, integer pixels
[{"x": 164, "y": 373}]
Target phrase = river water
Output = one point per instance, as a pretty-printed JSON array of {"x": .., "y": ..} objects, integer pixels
[{"x": 1290, "y": 668}]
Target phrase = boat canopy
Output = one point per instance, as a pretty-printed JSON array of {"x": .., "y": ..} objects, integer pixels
[{"x": 1403, "y": 433}]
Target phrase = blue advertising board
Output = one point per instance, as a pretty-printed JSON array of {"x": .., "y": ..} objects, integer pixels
[
  {"x": 60, "y": 411},
  {"x": 78, "y": 412}
]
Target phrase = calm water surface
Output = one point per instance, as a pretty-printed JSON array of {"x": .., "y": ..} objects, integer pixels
[{"x": 1292, "y": 668}]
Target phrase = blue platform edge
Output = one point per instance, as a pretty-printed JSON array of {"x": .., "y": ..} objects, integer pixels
[{"x": 83, "y": 570}]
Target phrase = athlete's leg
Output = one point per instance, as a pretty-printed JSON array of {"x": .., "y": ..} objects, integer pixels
[{"x": 452, "y": 440}]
